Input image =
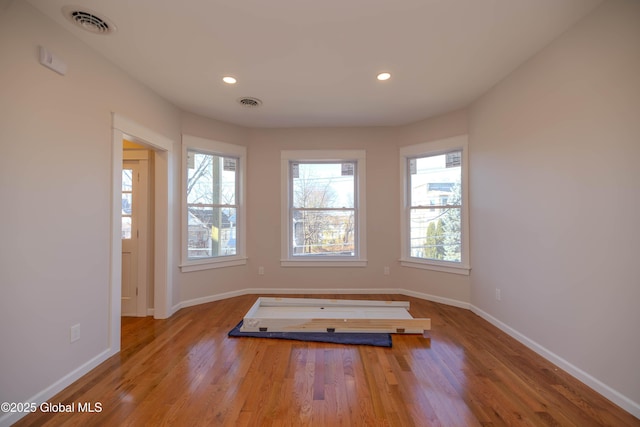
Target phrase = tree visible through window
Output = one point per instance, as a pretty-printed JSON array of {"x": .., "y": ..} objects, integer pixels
[
  {"x": 434, "y": 220},
  {"x": 323, "y": 210},
  {"x": 211, "y": 205},
  {"x": 435, "y": 204}
]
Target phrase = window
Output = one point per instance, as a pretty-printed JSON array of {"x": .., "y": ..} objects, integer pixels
[
  {"x": 213, "y": 223},
  {"x": 127, "y": 200},
  {"x": 434, "y": 209},
  {"x": 323, "y": 218}
]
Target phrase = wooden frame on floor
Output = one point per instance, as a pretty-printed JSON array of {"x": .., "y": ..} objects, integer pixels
[{"x": 272, "y": 314}]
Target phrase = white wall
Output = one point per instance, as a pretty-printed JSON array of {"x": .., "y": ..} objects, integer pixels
[
  {"x": 555, "y": 200},
  {"x": 55, "y": 197},
  {"x": 264, "y": 207}
]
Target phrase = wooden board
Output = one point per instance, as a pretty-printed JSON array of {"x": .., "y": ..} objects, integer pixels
[{"x": 270, "y": 314}]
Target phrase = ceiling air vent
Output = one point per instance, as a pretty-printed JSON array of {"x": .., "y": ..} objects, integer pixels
[
  {"x": 249, "y": 102},
  {"x": 88, "y": 20}
]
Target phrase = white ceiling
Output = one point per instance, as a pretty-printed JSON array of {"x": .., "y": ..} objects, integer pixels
[{"x": 314, "y": 62}]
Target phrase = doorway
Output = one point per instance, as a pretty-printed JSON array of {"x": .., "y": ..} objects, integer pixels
[
  {"x": 162, "y": 195},
  {"x": 137, "y": 220}
]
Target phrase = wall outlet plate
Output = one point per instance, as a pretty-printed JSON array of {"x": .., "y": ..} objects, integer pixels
[{"x": 75, "y": 333}]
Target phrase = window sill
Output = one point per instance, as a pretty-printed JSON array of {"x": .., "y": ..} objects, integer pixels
[
  {"x": 210, "y": 264},
  {"x": 322, "y": 263},
  {"x": 464, "y": 270}
]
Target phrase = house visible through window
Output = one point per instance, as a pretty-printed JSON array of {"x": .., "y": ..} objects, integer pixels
[
  {"x": 214, "y": 217},
  {"x": 434, "y": 218},
  {"x": 323, "y": 212},
  {"x": 211, "y": 205},
  {"x": 434, "y": 207}
]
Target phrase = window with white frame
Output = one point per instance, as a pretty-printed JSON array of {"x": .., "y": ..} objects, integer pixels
[
  {"x": 213, "y": 205},
  {"x": 323, "y": 218},
  {"x": 434, "y": 207}
]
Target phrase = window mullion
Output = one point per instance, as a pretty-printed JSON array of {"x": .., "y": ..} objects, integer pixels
[
  {"x": 324, "y": 209},
  {"x": 210, "y": 205},
  {"x": 436, "y": 207}
]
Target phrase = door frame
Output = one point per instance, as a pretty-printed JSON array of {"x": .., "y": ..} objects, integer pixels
[{"x": 124, "y": 128}]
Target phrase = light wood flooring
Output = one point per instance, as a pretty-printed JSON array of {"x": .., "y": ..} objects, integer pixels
[{"x": 186, "y": 371}]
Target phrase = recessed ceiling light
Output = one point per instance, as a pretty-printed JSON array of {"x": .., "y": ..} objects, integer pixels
[
  {"x": 229, "y": 80},
  {"x": 384, "y": 76}
]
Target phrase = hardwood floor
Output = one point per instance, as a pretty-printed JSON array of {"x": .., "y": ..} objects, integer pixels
[{"x": 186, "y": 371}]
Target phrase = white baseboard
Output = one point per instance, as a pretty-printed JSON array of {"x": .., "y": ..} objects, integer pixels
[
  {"x": 302, "y": 291},
  {"x": 208, "y": 298},
  {"x": 10, "y": 418},
  {"x": 600, "y": 387},
  {"x": 314, "y": 291},
  {"x": 435, "y": 298}
]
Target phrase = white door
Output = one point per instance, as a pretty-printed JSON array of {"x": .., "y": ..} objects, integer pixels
[{"x": 134, "y": 212}]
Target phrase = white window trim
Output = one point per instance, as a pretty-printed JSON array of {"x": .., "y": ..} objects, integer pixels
[
  {"x": 360, "y": 259},
  {"x": 430, "y": 149},
  {"x": 222, "y": 149}
]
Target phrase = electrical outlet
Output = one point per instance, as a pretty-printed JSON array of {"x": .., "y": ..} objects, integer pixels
[
  {"x": 75, "y": 333},
  {"x": 386, "y": 270},
  {"x": 261, "y": 271},
  {"x": 498, "y": 294}
]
